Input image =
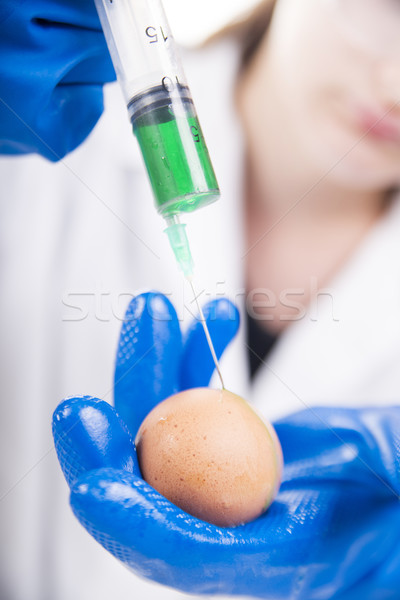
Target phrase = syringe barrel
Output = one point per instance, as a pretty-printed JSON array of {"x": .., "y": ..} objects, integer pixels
[
  {"x": 160, "y": 105},
  {"x": 141, "y": 44}
]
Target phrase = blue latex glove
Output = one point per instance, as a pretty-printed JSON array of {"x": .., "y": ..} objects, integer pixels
[
  {"x": 333, "y": 531},
  {"x": 53, "y": 64}
]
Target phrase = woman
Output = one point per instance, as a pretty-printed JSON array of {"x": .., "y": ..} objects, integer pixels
[
  {"x": 304, "y": 139},
  {"x": 320, "y": 108}
]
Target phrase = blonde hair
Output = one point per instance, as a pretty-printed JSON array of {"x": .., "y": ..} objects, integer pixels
[{"x": 250, "y": 29}]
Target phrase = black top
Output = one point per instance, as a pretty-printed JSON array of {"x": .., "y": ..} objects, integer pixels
[{"x": 260, "y": 343}]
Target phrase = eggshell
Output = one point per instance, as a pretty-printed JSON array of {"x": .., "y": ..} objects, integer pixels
[{"x": 209, "y": 453}]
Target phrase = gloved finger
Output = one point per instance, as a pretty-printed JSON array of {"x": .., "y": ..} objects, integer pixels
[
  {"x": 53, "y": 50},
  {"x": 88, "y": 434},
  {"x": 40, "y": 56},
  {"x": 148, "y": 358},
  {"x": 344, "y": 445},
  {"x": 197, "y": 364},
  {"x": 58, "y": 118}
]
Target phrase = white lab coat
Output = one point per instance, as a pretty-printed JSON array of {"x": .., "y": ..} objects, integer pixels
[{"x": 77, "y": 239}]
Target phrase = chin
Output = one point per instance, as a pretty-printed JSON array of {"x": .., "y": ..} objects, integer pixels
[
  {"x": 369, "y": 183},
  {"x": 357, "y": 177},
  {"x": 366, "y": 175},
  {"x": 364, "y": 167}
]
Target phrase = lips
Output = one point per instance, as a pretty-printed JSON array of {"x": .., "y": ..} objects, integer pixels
[{"x": 380, "y": 124}]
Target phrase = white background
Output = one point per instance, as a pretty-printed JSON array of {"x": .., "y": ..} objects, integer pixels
[{"x": 193, "y": 20}]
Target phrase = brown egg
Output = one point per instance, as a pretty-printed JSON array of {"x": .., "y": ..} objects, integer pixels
[{"x": 209, "y": 453}]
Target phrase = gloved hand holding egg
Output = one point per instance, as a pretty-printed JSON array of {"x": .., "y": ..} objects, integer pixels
[
  {"x": 205, "y": 450},
  {"x": 332, "y": 531}
]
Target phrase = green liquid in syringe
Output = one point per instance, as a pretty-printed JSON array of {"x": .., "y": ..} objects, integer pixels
[{"x": 175, "y": 155}]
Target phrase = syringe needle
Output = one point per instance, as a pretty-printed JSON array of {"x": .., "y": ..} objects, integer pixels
[
  {"x": 206, "y": 331},
  {"x": 180, "y": 246}
]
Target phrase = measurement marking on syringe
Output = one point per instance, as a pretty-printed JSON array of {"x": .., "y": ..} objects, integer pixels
[{"x": 155, "y": 34}]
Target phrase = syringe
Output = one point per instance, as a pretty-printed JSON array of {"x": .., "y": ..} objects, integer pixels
[
  {"x": 162, "y": 113},
  {"x": 163, "y": 118}
]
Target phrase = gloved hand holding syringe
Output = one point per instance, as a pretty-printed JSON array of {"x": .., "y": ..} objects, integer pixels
[{"x": 163, "y": 118}]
